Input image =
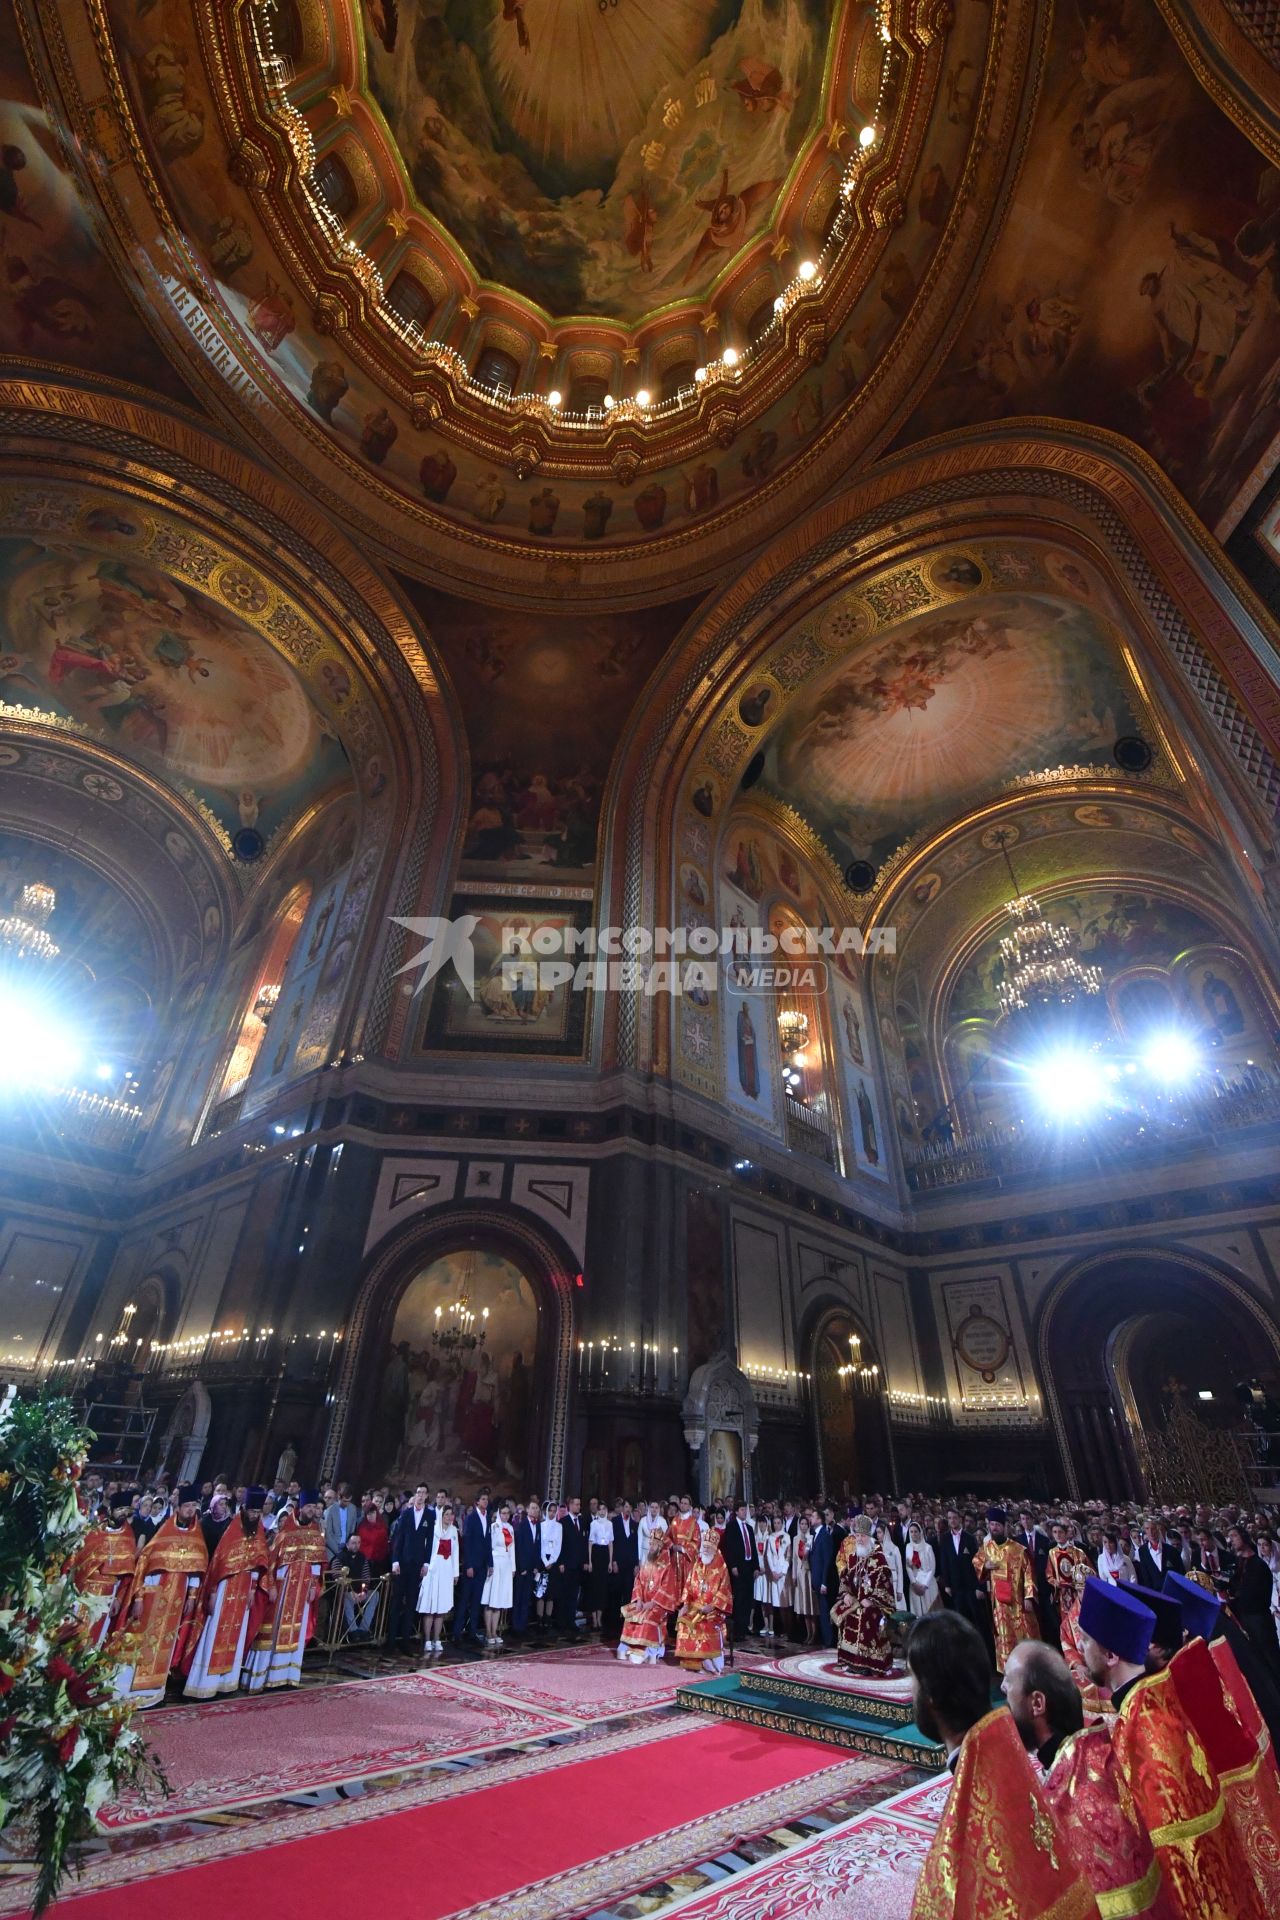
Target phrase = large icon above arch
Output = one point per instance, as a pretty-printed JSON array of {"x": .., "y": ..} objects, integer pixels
[{"x": 455, "y": 1414}]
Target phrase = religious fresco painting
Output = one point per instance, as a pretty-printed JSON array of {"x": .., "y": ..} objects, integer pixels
[
  {"x": 1133, "y": 285},
  {"x": 162, "y": 673},
  {"x": 512, "y": 1010},
  {"x": 58, "y": 299},
  {"x": 537, "y": 784},
  {"x": 546, "y": 136},
  {"x": 455, "y": 1415},
  {"x": 748, "y": 1017},
  {"x": 901, "y": 735}
]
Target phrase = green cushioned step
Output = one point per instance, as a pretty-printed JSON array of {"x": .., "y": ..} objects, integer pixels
[{"x": 733, "y": 1697}]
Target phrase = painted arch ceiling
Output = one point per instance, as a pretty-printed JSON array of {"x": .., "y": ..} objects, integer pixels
[{"x": 321, "y": 221}]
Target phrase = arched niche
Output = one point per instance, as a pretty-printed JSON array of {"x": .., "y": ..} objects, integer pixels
[
  {"x": 1104, "y": 1393},
  {"x": 900, "y": 539},
  {"x": 847, "y": 1398},
  {"x": 183, "y": 1441},
  {"x": 415, "y": 1271},
  {"x": 721, "y": 1429}
]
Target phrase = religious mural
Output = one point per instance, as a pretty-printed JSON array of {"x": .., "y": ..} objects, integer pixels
[
  {"x": 1133, "y": 285},
  {"x": 906, "y": 732},
  {"x": 545, "y": 701},
  {"x": 455, "y": 1415},
  {"x": 549, "y": 139},
  {"x": 162, "y": 673},
  {"x": 510, "y": 1008},
  {"x": 59, "y": 300}
]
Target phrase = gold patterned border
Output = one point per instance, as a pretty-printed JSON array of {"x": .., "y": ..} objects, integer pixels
[{"x": 854, "y": 1739}]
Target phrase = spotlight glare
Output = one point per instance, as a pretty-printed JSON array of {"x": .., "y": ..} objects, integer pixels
[
  {"x": 699, "y": 374},
  {"x": 1171, "y": 1058},
  {"x": 554, "y": 397},
  {"x": 1066, "y": 1084},
  {"x": 40, "y": 1049},
  {"x": 730, "y": 356},
  {"x": 807, "y": 270},
  {"x": 867, "y": 138}
]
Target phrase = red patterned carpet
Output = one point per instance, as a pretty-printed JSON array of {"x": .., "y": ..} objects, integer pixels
[
  {"x": 587, "y": 1683},
  {"x": 549, "y": 1840},
  {"x": 246, "y": 1749},
  {"x": 865, "y": 1869}
]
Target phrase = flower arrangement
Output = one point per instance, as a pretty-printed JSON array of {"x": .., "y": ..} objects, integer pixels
[{"x": 66, "y": 1745}]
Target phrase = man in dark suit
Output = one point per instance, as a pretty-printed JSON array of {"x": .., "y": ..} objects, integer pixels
[
  {"x": 477, "y": 1558},
  {"x": 741, "y": 1555},
  {"x": 956, "y": 1577},
  {"x": 1250, "y": 1593},
  {"x": 622, "y": 1565},
  {"x": 822, "y": 1571},
  {"x": 411, "y": 1541},
  {"x": 528, "y": 1532},
  {"x": 567, "y": 1577},
  {"x": 1156, "y": 1557}
]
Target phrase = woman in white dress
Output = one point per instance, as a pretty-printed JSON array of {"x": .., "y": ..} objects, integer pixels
[
  {"x": 498, "y": 1582},
  {"x": 891, "y": 1554},
  {"x": 776, "y": 1561},
  {"x": 921, "y": 1571},
  {"x": 439, "y": 1578},
  {"x": 760, "y": 1589},
  {"x": 802, "y": 1580}
]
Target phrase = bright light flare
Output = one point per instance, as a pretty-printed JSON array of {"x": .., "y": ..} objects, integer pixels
[
  {"x": 1067, "y": 1084},
  {"x": 40, "y": 1049},
  {"x": 1171, "y": 1058}
]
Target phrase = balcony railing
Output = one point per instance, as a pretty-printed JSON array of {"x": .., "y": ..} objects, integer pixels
[
  {"x": 1173, "y": 1125},
  {"x": 808, "y": 1127}
]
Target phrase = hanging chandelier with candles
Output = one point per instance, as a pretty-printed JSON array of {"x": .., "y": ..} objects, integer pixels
[
  {"x": 793, "y": 1030},
  {"x": 463, "y": 1331},
  {"x": 1042, "y": 967},
  {"x": 25, "y": 931}
]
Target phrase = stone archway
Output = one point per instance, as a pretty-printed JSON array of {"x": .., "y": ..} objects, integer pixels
[
  {"x": 850, "y": 1426},
  {"x": 183, "y": 1444},
  {"x": 369, "y": 1375},
  {"x": 1119, "y": 1335}
]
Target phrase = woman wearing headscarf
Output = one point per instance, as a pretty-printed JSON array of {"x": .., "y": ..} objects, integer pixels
[
  {"x": 499, "y": 1581},
  {"x": 439, "y": 1579},
  {"x": 802, "y": 1601},
  {"x": 920, "y": 1566},
  {"x": 890, "y": 1551}
]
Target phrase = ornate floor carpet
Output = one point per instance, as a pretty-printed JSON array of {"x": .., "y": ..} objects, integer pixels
[
  {"x": 564, "y": 1829},
  {"x": 585, "y": 1683},
  {"x": 248, "y": 1749}
]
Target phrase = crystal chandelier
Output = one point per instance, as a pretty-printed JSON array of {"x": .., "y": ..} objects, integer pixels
[
  {"x": 464, "y": 1330},
  {"x": 793, "y": 1030},
  {"x": 1041, "y": 965},
  {"x": 25, "y": 931}
]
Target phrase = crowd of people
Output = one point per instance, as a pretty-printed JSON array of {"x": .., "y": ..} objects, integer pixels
[{"x": 1130, "y": 1768}]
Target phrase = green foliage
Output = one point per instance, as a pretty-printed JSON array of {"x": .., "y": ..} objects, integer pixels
[{"x": 66, "y": 1743}]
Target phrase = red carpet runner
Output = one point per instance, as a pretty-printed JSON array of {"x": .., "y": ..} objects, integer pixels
[{"x": 435, "y": 1861}]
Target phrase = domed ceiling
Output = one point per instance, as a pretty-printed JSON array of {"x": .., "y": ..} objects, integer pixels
[
  {"x": 554, "y": 141},
  {"x": 545, "y": 295}
]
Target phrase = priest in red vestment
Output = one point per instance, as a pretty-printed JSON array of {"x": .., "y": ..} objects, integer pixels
[
  {"x": 706, "y": 1606},
  {"x": 683, "y": 1537},
  {"x": 162, "y": 1623},
  {"x": 103, "y": 1567},
  {"x": 864, "y": 1603},
  {"x": 231, "y": 1603},
  {"x": 653, "y": 1599},
  {"x": 1007, "y": 1578},
  {"x": 1250, "y": 1784},
  {"x": 1161, "y": 1762},
  {"x": 292, "y": 1591},
  {"x": 1066, "y": 1571},
  {"x": 1095, "y": 1815},
  {"x": 998, "y": 1853}
]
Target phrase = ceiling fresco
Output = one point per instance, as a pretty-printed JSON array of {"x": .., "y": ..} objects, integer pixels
[
  {"x": 545, "y": 702},
  {"x": 629, "y": 234},
  {"x": 59, "y": 301},
  {"x": 1134, "y": 283},
  {"x": 916, "y": 728},
  {"x": 103, "y": 636},
  {"x": 552, "y": 140}
]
